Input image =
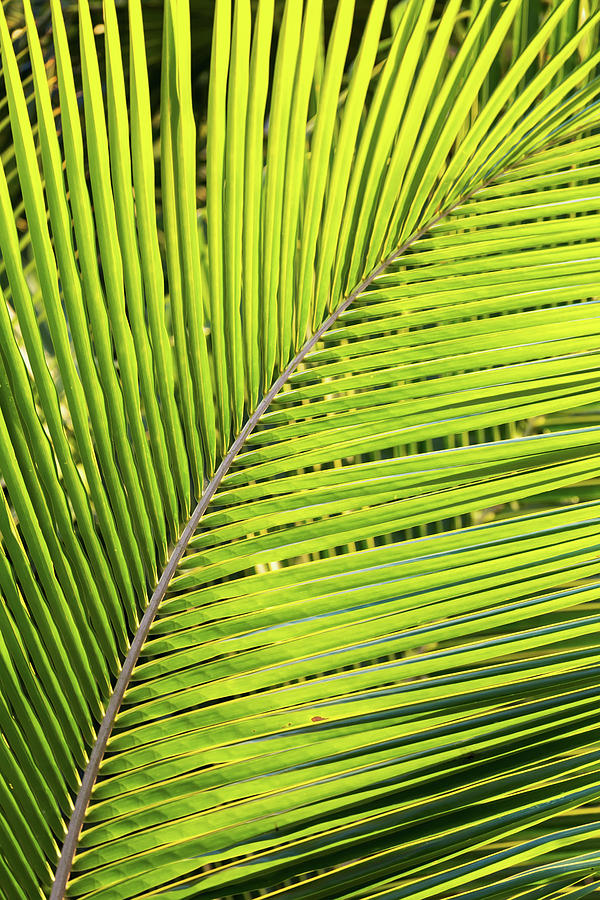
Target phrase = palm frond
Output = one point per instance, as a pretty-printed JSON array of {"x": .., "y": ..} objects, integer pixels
[{"x": 300, "y": 515}]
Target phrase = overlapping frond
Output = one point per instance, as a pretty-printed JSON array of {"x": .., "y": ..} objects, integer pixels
[{"x": 371, "y": 671}]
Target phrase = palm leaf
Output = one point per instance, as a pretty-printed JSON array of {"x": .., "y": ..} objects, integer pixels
[{"x": 300, "y": 521}]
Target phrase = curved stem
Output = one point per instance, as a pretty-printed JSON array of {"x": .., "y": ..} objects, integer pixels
[{"x": 63, "y": 869}]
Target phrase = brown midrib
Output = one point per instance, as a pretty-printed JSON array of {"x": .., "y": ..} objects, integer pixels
[{"x": 63, "y": 869}]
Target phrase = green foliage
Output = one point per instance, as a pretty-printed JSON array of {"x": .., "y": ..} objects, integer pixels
[{"x": 299, "y": 439}]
